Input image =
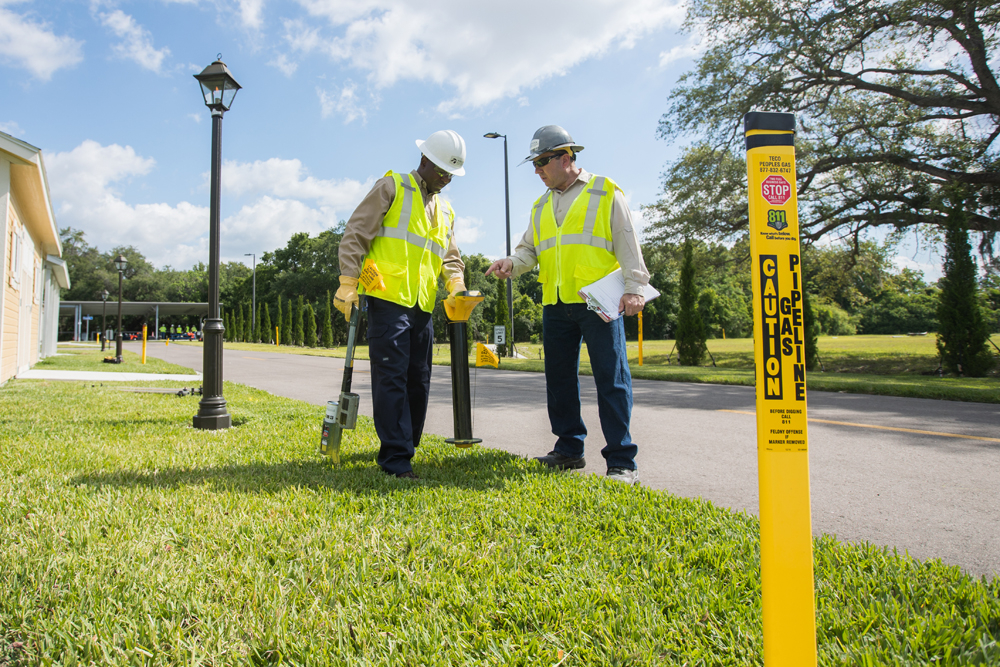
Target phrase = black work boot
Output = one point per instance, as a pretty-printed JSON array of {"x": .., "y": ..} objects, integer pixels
[{"x": 556, "y": 460}]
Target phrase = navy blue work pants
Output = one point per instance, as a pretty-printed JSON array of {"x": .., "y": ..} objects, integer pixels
[
  {"x": 564, "y": 327},
  {"x": 400, "y": 345}
]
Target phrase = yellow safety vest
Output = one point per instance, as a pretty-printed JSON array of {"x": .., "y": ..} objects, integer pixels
[
  {"x": 408, "y": 250},
  {"x": 578, "y": 252}
]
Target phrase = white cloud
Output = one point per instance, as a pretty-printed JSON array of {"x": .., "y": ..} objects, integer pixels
[
  {"x": 289, "y": 179},
  {"x": 467, "y": 230},
  {"x": 281, "y": 199},
  {"x": 11, "y": 128},
  {"x": 343, "y": 102},
  {"x": 692, "y": 49},
  {"x": 137, "y": 42},
  {"x": 82, "y": 183},
  {"x": 196, "y": 117},
  {"x": 32, "y": 46},
  {"x": 483, "y": 55},
  {"x": 251, "y": 13},
  {"x": 283, "y": 63}
]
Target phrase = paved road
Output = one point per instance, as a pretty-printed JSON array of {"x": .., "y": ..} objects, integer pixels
[{"x": 934, "y": 496}]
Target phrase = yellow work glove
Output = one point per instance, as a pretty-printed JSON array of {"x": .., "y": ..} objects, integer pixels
[
  {"x": 346, "y": 296},
  {"x": 454, "y": 286}
]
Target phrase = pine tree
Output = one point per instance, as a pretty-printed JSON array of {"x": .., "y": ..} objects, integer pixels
[
  {"x": 267, "y": 334},
  {"x": 248, "y": 324},
  {"x": 227, "y": 334},
  {"x": 327, "y": 321},
  {"x": 811, "y": 331},
  {"x": 238, "y": 329},
  {"x": 297, "y": 332},
  {"x": 280, "y": 322},
  {"x": 309, "y": 326},
  {"x": 963, "y": 333},
  {"x": 287, "y": 336},
  {"x": 256, "y": 336},
  {"x": 690, "y": 334}
]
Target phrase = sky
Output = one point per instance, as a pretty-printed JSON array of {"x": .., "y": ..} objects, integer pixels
[{"x": 335, "y": 94}]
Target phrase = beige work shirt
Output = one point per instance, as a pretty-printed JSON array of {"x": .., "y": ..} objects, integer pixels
[
  {"x": 367, "y": 219},
  {"x": 625, "y": 242}
]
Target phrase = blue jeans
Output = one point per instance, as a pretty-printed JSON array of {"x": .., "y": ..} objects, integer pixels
[
  {"x": 400, "y": 345},
  {"x": 564, "y": 327}
]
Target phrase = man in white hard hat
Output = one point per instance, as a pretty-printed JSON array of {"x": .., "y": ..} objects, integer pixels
[
  {"x": 408, "y": 232},
  {"x": 580, "y": 231}
]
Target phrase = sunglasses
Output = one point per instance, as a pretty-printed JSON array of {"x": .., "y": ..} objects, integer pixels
[
  {"x": 440, "y": 172},
  {"x": 542, "y": 161}
]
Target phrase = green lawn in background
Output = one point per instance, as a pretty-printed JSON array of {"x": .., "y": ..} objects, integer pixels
[
  {"x": 885, "y": 365},
  {"x": 88, "y": 357},
  {"x": 128, "y": 537}
]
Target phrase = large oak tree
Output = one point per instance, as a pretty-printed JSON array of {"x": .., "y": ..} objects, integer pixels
[{"x": 896, "y": 100}]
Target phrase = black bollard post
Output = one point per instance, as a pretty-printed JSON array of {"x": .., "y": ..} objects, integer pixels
[
  {"x": 458, "y": 310},
  {"x": 460, "y": 397}
]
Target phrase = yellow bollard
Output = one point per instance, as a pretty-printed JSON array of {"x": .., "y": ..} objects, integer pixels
[
  {"x": 143, "y": 343},
  {"x": 640, "y": 338},
  {"x": 277, "y": 336},
  {"x": 786, "y": 557}
]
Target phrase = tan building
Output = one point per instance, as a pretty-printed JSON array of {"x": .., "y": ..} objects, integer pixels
[{"x": 33, "y": 269}]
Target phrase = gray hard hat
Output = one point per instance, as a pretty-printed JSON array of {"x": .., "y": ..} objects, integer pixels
[{"x": 550, "y": 138}]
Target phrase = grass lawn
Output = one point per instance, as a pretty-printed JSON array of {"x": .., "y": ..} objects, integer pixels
[
  {"x": 127, "y": 537},
  {"x": 886, "y": 365},
  {"x": 86, "y": 357}
]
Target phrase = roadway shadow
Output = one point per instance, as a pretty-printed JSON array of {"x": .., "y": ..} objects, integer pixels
[{"x": 483, "y": 470}]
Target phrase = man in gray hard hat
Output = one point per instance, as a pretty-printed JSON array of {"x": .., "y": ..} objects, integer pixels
[
  {"x": 581, "y": 231},
  {"x": 408, "y": 233}
]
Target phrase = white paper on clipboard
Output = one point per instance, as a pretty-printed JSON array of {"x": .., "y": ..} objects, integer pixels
[{"x": 603, "y": 296}]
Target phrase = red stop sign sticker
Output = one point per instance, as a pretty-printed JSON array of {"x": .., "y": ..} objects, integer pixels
[{"x": 776, "y": 190}]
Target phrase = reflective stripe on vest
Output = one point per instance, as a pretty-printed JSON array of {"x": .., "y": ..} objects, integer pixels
[
  {"x": 403, "y": 232},
  {"x": 409, "y": 261},
  {"x": 585, "y": 252}
]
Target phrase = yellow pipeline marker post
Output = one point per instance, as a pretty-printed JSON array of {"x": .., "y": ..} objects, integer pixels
[
  {"x": 277, "y": 336},
  {"x": 786, "y": 557},
  {"x": 143, "y": 343}
]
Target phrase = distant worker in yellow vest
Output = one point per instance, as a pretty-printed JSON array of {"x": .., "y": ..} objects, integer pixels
[
  {"x": 408, "y": 231},
  {"x": 580, "y": 231}
]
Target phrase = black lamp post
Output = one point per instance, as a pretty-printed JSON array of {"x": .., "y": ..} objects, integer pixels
[
  {"x": 104, "y": 319},
  {"x": 510, "y": 288},
  {"x": 120, "y": 263},
  {"x": 218, "y": 88},
  {"x": 253, "y": 303}
]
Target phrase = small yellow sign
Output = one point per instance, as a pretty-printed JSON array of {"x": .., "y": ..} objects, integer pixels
[
  {"x": 370, "y": 278},
  {"x": 486, "y": 357}
]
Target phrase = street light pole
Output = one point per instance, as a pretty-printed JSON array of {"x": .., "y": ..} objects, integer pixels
[
  {"x": 253, "y": 303},
  {"x": 218, "y": 88},
  {"x": 510, "y": 286},
  {"x": 104, "y": 319},
  {"x": 120, "y": 262}
]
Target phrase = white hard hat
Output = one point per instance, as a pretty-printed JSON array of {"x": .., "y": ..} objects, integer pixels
[{"x": 446, "y": 149}]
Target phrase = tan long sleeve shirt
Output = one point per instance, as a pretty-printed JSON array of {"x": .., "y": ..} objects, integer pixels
[
  {"x": 367, "y": 218},
  {"x": 624, "y": 240}
]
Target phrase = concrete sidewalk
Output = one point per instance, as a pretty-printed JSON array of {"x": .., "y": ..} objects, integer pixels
[{"x": 100, "y": 376}]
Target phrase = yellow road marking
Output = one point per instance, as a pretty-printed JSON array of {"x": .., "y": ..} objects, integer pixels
[{"x": 883, "y": 428}]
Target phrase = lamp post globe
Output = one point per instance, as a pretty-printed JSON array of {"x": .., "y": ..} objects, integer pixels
[
  {"x": 218, "y": 88},
  {"x": 120, "y": 263},
  {"x": 104, "y": 318},
  {"x": 510, "y": 287}
]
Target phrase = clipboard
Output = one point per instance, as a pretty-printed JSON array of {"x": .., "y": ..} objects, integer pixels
[{"x": 603, "y": 296}]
